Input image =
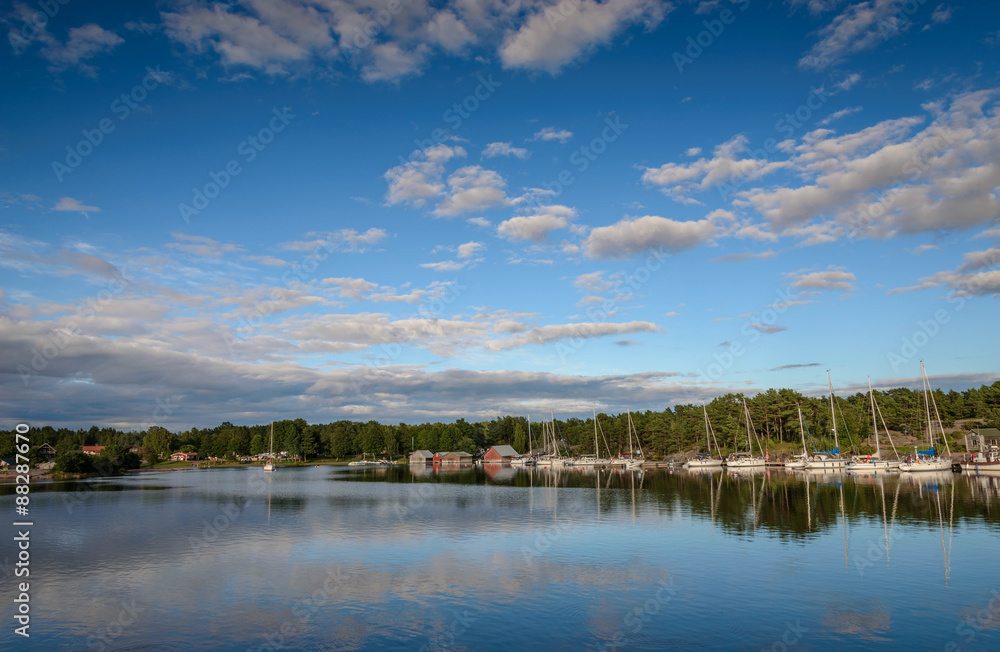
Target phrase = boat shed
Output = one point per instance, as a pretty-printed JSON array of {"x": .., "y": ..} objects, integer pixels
[
  {"x": 459, "y": 457},
  {"x": 421, "y": 457},
  {"x": 501, "y": 453},
  {"x": 982, "y": 439}
]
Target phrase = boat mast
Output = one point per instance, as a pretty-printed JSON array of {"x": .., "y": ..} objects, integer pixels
[
  {"x": 937, "y": 414},
  {"x": 927, "y": 407},
  {"x": 833, "y": 415},
  {"x": 708, "y": 442},
  {"x": 746, "y": 413},
  {"x": 597, "y": 453},
  {"x": 871, "y": 395},
  {"x": 802, "y": 431}
]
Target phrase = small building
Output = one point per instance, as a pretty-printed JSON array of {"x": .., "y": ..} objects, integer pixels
[
  {"x": 94, "y": 450},
  {"x": 456, "y": 457},
  {"x": 982, "y": 440},
  {"x": 47, "y": 451},
  {"x": 438, "y": 457},
  {"x": 501, "y": 453},
  {"x": 421, "y": 457},
  {"x": 183, "y": 457}
]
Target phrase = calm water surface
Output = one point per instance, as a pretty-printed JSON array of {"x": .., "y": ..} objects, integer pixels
[{"x": 331, "y": 558}]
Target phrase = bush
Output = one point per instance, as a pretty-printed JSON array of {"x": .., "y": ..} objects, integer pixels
[{"x": 74, "y": 463}]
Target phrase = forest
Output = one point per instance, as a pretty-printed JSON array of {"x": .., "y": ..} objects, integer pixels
[{"x": 681, "y": 429}]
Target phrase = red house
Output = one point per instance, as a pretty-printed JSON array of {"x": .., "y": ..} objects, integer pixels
[
  {"x": 500, "y": 454},
  {"x": 93, "y": 450},
  {"x": 437, "y": 457},
  {"x": 183, "y": 457}
]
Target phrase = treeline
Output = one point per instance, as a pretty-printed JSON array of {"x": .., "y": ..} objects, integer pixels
[{"x": 773, "y": 414}]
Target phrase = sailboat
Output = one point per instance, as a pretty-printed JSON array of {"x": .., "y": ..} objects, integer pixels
[
  {"x": 632, "y": 461},
  {"x": 926, "y": 460},
  {"x": 595, "y": 459},
  {"x": 804, "y": 457},
  {"x": 873, "y": 462},
  {"x": 269, "y": 464},
  {"x": 823, "y": 460},
  {"x": 747, "y": 460},
  {"x": 707, "y": 461}
]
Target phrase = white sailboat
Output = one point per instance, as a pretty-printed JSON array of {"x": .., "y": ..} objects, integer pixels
[
  {"x": 595, "y": 459},
  {"x": 707, "y": 462},
  {"x": 269, "y": 464},
  {"x": 873, "y": 462},
  {"x": 747, "y": 460},
  {"x": 825, "y": 461},
  {"x": 803, "y": 459},
  {"x": 927, "y": 461},
  {"x": 632, "y": 461}
]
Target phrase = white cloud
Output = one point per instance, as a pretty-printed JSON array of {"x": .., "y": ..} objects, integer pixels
[
  {"x": 837, "y": 115},
  {"x": 472, "y": 188},
  {"x": 470, "y": 249},
  {"x": 692, "y": 151},
  {"x": 726, "y": 167},
  {"x": 556, "y": 35},
  {"x": 74, "y": 205},
  {"x": 557, "y": 332},
  {"x": 481, "y": 222},
  {"x": 634, "y": 236},
  {"x": 504, "y": 149},
  {"x": 860, "y": 27},
  {"x": 197, "y": 245},
  {"x": 537, "y": 225},
  {"x": 831, "y": 279},
  {"x": 942, "y": 14},
  {"x": 551, "y": 133},
  {"x": 82, "y": 43},
  {"x": 420, "y": 178}
]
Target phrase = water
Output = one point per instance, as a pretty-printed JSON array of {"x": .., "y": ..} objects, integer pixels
[{"x": 331, "y": 558}]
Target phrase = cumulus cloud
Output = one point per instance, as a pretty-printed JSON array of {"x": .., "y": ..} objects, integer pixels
[
  {"x": 472, "y": 188},
  {"x": 551, "y": 133},
  {"x": 634, "y": 236},
  {"x": 74, "y": 205},
  {"x": 808, "y": 282},
  {"x": 555, "y": 35},
  {"x": 420, "y": 178},
  {"x": 859, "y": 27},
  {"x": 537, "y": 225},
  {"x": 504, "y": 149}
]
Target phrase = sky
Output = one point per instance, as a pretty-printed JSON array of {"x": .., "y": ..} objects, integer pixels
[{"x": 417, "y": 211}]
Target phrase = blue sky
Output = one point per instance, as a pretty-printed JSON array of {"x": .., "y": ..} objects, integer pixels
[{"x": 423, "y": 211}]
